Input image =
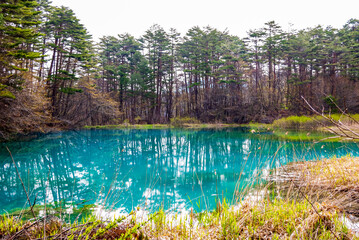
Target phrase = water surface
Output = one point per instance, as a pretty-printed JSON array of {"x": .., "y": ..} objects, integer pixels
[{"x": 122, "y": 169}]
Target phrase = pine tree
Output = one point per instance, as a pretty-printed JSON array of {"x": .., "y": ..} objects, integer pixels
[
  {"x": 69, "y": 44},
  {"x": 18, "y": 22}
]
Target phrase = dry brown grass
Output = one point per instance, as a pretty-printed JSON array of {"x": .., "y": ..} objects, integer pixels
[{"x": 335, "y": 181}]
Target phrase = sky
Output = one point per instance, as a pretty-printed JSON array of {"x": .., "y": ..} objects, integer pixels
[{"x": 112, "y": 17}]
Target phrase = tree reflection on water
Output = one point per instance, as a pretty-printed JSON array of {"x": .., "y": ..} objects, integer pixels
[{"x": 152, "y": 168}]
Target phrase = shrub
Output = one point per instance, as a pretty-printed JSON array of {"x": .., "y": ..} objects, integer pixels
[
  {"x": 295, "y": 122},
  {"x": 181, "y": 121}
]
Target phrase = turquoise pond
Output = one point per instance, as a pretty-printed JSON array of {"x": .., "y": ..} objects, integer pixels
[{"x": 123, "y": 169}]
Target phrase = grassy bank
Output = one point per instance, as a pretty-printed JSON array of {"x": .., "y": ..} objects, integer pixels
[
  {"x": 313, "y": 122},
  {"x": 293, "y": 135},
  {"x": 334, "y": 127},
  {"x": 307, "y": 200},
  {"x": 308, "y": 123},
  {"x": 165, "y": 126},
  {"x": 130, "y": 126}
]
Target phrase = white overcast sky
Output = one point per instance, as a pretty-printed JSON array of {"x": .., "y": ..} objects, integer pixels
[{"x": 112, "y": 17}]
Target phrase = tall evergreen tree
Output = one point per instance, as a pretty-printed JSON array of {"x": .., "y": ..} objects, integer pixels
[
  {"x": 18, "y": 32},
  {"x": 69, "y": 45}
]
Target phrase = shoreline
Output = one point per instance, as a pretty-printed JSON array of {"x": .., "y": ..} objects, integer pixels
[
  {"x": 166, "y": 126},
  {"x": 308, "y": 124}
]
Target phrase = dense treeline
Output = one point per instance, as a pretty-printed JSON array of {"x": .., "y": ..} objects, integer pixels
[{"x": 52, "y": 73}]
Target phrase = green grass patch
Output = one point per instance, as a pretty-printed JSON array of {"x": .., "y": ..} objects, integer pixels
[
  {"x": 305, "y": 136},
  {"x": 312, "y": 122}
]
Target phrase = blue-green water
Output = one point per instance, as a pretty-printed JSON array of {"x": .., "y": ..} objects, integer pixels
[{"x": 122, "y": 169}]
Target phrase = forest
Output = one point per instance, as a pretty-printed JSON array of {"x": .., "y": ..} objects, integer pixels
[{"x": 54, "y": 75}]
